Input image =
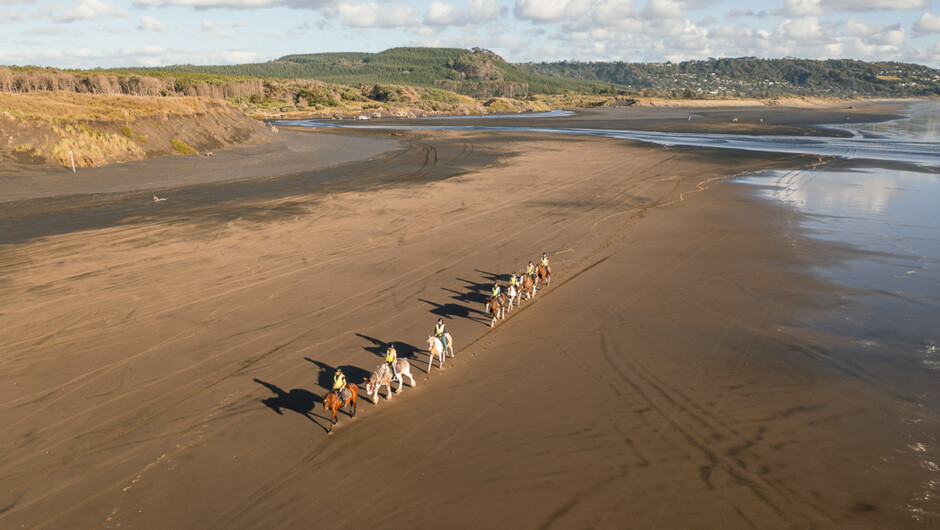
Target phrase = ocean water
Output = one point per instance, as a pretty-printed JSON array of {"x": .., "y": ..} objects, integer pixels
[
  {"x": 889, "y": 214},
  {"x": 913, "y": 142}
]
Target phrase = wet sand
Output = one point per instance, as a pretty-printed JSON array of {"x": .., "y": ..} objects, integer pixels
[
  {"x": 164, "y": 367},
  {"x": 286, "y": 154}
]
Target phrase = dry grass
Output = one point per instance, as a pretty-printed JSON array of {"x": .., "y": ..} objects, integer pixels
[
  {"x": 91, "y": 147},
  {"x": 71, "y": 107}
]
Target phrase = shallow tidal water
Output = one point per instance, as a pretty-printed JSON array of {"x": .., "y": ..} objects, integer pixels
[{"x": 889, "y": 216}]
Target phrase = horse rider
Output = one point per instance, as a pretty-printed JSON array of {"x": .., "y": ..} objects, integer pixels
[
  {"x": 544, "y": 260},
  {"x": 391, "y": 358},
  {"x": 441, "y": 332},
  {"x": 513, "y": 279},
  {"x": 495, "y": 290},
  {"x": 530, "y": 269},
  {"x": 339, "y": 383}
]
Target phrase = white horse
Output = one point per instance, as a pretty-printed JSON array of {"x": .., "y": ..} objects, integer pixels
[
  {"x": 514, "y": 295},
  {"x": 450, "y": 344},
  {"x": 435, "y": 349},
  {"x": 382, "y": 376}
]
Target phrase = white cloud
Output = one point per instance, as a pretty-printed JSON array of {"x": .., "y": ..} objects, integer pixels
[
  {"x": 542, "y": 11},
  {"x": 874, "y": 5},
  {"x": 218, "y": 29},
  {"x": 663, "y": 9},
  {"x": 11, "y": 15},
  {"x": 614, "y": 11},
  {"x": 723, "y": 33},
  {"x": 90, "y": 10},
  {"x": 927, "y": 23},
  {"x": 487, "y": 10},
  {"x": 441, "y": 14},
  {"x": 375, "y": 16},
  {"x": 857, "y": 27},
  {"x": 876, "y": 35},
  {"x": 799, "y": 30},
  {"x": 479, "y": 11},
  {"x": 740, "y": 13},
  {"x": 802, "y": 8},
  {"x": 291, "y": 32},
  {"x": 208, "y": 4},
  {"x": 892, "y": 35},
  {"x": 151, "y": 24}
]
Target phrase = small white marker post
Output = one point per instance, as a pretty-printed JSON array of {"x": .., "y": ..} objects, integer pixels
[{"x": 73, "y": 160}]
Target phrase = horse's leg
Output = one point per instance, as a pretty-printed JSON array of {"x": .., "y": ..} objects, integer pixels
[
  {"x": 353, "y": 415},
  {"x": 389, "y": 387},
  {"x": 430, "y": 359}
]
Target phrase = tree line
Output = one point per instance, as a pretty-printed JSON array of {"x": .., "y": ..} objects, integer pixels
[
  {"x": 31, "y": 79},
  {"x": 753, "y": 77}
]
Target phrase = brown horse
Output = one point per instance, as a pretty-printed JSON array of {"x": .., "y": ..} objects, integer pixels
[
  {"x": 528, "y": 287},
  {"x": 333, "y": 403},
  {"x": 545, "y": 274},
  {"x": 495, "y": 306}
]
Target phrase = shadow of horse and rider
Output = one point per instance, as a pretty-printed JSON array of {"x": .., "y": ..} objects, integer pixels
[{"x": 304, "y": 402}]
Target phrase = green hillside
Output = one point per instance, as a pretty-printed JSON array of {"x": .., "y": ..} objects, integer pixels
[
  {"x": 478, "y": 73},
  {"x": 753, "y": 77}
]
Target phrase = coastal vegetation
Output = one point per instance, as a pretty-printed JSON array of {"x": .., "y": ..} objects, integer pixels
[
  {"x": 128, "y": 113},
  {"x": 755, "y": 78},
  {"x": 97, "y": 129},
  {"x": 427, "y": 81},
  {"x": 182, "y": 147}
]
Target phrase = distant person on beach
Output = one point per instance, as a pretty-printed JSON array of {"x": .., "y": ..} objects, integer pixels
[
  {"x": 441, "y": 332},
  {"x": 513, "y": 279},
  {"x": 391, "y": 358},
  {"x": 544, "y": 260},
  {"x": 339, "y": 383},
  {"x": 530, "y": 268},
  {"x": 495, "y": 289}
]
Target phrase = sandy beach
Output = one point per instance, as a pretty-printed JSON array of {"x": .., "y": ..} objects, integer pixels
[{"x": 162, "y": 364}]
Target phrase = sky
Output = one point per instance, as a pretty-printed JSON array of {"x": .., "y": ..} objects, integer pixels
[{"x": 122, "y": 33}]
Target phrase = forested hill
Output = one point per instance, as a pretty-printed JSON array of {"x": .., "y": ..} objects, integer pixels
[
  {"x": 482, "y": 74},
  {"x": 478, "y": 73},
  {"x": 753, "y": 77}
]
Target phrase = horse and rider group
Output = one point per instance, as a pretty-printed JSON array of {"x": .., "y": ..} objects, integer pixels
[
  {"x": 440, "y": 343},
  {"x": 521, "y": 288}
]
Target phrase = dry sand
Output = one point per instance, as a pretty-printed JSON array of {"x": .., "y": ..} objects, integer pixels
[{"x": 165, "y": 368}]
